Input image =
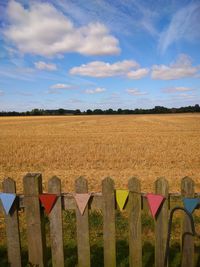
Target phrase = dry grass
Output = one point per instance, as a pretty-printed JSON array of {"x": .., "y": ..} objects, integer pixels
[{"x": 147, "y": 146}]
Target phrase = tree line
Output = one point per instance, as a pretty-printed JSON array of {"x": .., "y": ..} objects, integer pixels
[{"x": 61, "y": 111}]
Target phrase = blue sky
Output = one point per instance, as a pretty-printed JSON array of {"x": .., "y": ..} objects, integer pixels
[{"x": 99, "y": 54}]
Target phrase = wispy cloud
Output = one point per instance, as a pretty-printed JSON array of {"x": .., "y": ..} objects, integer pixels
[
  {"x": 17, "y": 73},
  {"x": 176, "y": 89},
  {"x": 181, "y": 68},
  {"x": 184, "y": 96},
  {"x": 184, "y": 25},
  {"x": 22, "y": 93},
  {"x": 41, "y": 65},
  {"x": 135, "y": 92},
  {"x": 58, "y": 87},
  {"x": 62, "y": 86},
  {"x": 124, "y": 17},
  {"x": 1, "y": 92},
  {"x": 53, "y": 33},
  {"x": 97, "y": 90}
]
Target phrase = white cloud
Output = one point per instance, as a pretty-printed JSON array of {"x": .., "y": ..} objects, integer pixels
[
  {"x": 58, "y": 87},
  {"x": 103, "y": 69},
  {"x": 1, "y": 92},
  {"x": 176, "y": 89},
  {"x": 45, "y": 31},
  {"x": 183, "y": 26},
  {"x": 181, "y": 68},
  {"x": 137, "y": 74},
  {"x": 135, "y": 91},
  {"x": 95, "y": 91},
  {"x": 61, "y": 86},
  {"x": 40, "y": 65}
]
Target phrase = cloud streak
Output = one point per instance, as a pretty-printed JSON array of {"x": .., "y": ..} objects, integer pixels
[
  {"x": 58, "y": 87},
  {"x": 97, "y": 90},
  {"x": 135, "y": 92},
  {"x": 1, "y": 92},
  {"x": 40, "y": 65},
  {"x": 184, "y": 25},
  {"x": 172, "y": 90}
]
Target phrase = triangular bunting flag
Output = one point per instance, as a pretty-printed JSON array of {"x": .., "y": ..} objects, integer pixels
[
  {"x": 7, "y": 200},
  {"x": 154, "y": 202},
  {"x": 82, "y": 201},
  {"x": 48, "y": 201},
  {"x": 121, "y": 197},
  {"x": 190, "y": 204}
]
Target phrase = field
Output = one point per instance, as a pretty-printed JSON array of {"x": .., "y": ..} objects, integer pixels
[{"x": 146, "y": 146}]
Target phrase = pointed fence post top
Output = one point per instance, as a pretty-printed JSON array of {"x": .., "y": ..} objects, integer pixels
[
  {"x": 162, "y": 186},
  {"x": 54, "y": 185},
  {"x": 81, "y": 185},
  {"x": 9, "y": 185},
  {"x": 108, "y": 184},
  {"x": 187, "y": 187},
  {"x": 134, "y": 184}
]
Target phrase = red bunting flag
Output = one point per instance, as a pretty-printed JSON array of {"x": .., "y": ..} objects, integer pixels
[
  {"x": 82, "y": 201},
  {"x": 48, "y": 201},
  {"x": 154, "y": 202}
]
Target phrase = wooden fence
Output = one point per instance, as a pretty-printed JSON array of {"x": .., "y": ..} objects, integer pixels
[{"x": 105, "y": 201}]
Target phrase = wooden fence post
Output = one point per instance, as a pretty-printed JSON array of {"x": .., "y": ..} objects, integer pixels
[
  {"x": 34, "y": 214},
  {"x": 12, "y": 227},
  {"x": 187, "y": 190},
  {"x": 83, "y": 241},
  {"x": 135, "y": 238},
  {"x": 161, "y": 223},
  {"x": 108, "y": 202},
  {"x": 56, "y": 224}
]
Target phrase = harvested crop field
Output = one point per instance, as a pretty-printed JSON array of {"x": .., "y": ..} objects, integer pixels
[{"x": 146, "y": 146}]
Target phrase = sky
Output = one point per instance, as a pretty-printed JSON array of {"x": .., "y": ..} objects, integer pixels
[{"x": 77, "y": 54}]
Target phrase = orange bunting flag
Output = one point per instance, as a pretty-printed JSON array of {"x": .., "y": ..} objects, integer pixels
[
  {"x": 82, "y": 201},
  {"x": 48, "y": 201},
  {"x": 154, "y": 202}
]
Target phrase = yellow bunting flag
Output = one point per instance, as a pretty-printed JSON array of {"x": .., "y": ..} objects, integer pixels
[{"x": 121, "y": 197}]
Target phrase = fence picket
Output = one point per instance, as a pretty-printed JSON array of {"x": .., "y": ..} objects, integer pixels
[
  {"x": 83, "y": 245},
  {"x": 135, "y": 238},
  {"x": 187, "y": 190},
  {"x": 108, "y": 206},
  {"x": 34, "y": 219},
  {"x": 12, "y": 227},
  {"x": 56, "y": 224},
  {"x": 161, "y": 223}
]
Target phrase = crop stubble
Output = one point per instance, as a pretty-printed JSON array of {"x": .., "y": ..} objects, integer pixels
[{"x": 146, "y": 146}]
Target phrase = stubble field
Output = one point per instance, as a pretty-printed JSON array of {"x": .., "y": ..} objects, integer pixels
[{"x": 146, "y": 146}]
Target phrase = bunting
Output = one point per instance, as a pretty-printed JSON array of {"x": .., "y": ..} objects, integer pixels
[
  {"x": 82, "y": 201},
  {"x": 121, "y": 197},
  {"x": 190, "y": 204},
  {"x": 48, "y": 201},
  {"x": 7, "y": 200},
  {"x": 154, "y": 201}
]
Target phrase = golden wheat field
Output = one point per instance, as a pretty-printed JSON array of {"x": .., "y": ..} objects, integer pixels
[{"x": 146, "y": 146}]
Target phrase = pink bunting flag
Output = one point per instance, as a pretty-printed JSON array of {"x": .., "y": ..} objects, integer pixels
[
  {"x": 82, "y": 201},
  {"x": 154, "y": 202},
  {"x": 48, "y": 201}
]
